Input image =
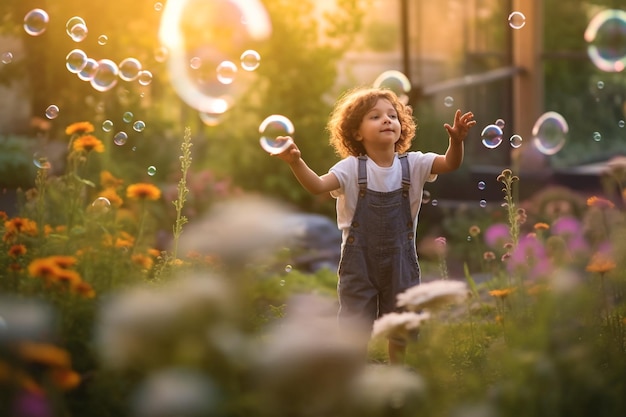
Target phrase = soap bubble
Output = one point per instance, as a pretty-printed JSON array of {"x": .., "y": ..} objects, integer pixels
[
  {"x": 517, "y": 20},
  {"x": 36, "y": 22},
  {"x": 500, "y": 123},
  {"x": 75, "y": 60},
  {"x": 448, "y": 101},
  {"x": 250, "y": 60},
  {"x": 105, "y": 77},
  {"x": 7, "y": 57},
  {"x": 107, "y": 125},
  {"x": 606, "y": 38},
  {"x": 515, "y": 141},
  {"x": 144, "y": 77},
  {"x": 40, "y": 160},
  {"x": 226, "y": 72},
  {"x": 550, "y": 132},
  {"x": 101, "y": 205},
  {"x": 120, "y": 138},
  {"x": 152, "y": 170},
  {"x": 102, "y": 40},
  {"x": 127, "y": 117},
  {"x": 139, "y": 126},
  {"x": 491, "y": 136},
  {"x": 52, "y": 112},
  {"x": 481, "y": 185},
  {"x": 395, "y": 81},
  {"x": 89, "y": 70},
  {"x": 425, "y": 197},
  {"x": 272, "y": 127},
  {"x": 597, "y": 136},
  {"x": 483, "y": 203},
  {"x": 129, "y": 69}
]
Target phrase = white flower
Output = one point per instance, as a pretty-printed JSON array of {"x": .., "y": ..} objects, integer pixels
[
  {"x": 398, "y": 324},
  {"x": 432, "y": 295}
]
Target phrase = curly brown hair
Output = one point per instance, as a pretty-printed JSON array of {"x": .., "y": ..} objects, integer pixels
[{"x": 348, "y": 114}]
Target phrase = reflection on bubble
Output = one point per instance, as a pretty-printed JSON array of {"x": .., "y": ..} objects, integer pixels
[
  {"x": 144, "y": 77},
  {"x": 120, "y": 138},
  {"x": 517, "y": 20},
  {"x": 606, "y": 38},
  {"x": 226, "y": 72},
  {"x": 129, "y": 69},
  {"x": 515, "y": 141},
  {"x": 40, "y": 160},
  {"x": 52, "y": 112},
  {"x": 107, "y": 125},
  {"x": 75, "y": 61},
  {"x": 250, "y": 60},
  {"x": 36, "y": 22},
  {"x": 491, "y": 136},
  {"x": 101, "y": 205},
  {"x": 425, "y": 197},
  {"x": 105, "y": 77},
  {"x": 73, "y": 21},
  {"x": 213, "y": 31},
  {"x": 89, "y": 70},
  {"x": 139, "y": 126},
  {"x": 7, "y": 57},
  {"x": 152, "y": 170},
  {"x": 272, "y": 127},
  {"x": 549, "y": 133},
  {"x": 210, "y": 119},
  {"x": 448, "y": 101},
  {"x": 395, "y": 81}
]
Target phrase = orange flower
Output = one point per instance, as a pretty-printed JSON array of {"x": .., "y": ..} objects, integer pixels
[
  {"x": 143, "y": 191},
  {"x": 155, "y": 253},
  {"x": 474, "y": 231},
  {"x": 43, "y": 268},
  {"x": 599, "y": 202},
  {"x": 3, "y": 216},
  {"x": 503, "y": 293},
  {"x": 83, "y": 289},
  {"x": 44, "y": 354},
  {"x": 108, "y": 180},
  {"x": 63, "y": 261},
  {"x": 79, "y": 128},
  {"x": 68, "y": 276},
  {"x": 600, "y": 263},
  {"x": 111, "y": 195},
  {"x": 541, "y": 226},
  {"x": 17, "y": 250},
  {"x": 65, "y": 379},
  {"x": 87, "y": 144},
  {"x": 143, "y": 261},
  {"x": 17, "y": 225}
]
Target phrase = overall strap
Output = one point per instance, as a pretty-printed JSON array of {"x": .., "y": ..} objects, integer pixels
[
  {"x": 362, "y": 172},
  {"x": 406, "y": 177}
]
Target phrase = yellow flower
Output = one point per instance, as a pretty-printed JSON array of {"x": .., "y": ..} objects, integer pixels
[
  {"x": 599, "y": 202},
  {"x": 79, "y": 128},
  {"x": 600, "y": 263},
  {"x": 541, "y": 226},
  {"x": 87, "y": 144},
  {"x": 502, "y": 293},
  {"x": 143, "y": 191}
]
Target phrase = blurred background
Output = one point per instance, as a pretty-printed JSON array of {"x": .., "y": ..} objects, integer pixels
[{"x": 510, "y": 62}]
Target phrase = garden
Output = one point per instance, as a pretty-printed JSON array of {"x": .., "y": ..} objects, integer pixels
[{"x": 147, "y": 261}]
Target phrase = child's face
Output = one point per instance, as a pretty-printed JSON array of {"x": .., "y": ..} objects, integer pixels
[{"x": 380, "y": 126}]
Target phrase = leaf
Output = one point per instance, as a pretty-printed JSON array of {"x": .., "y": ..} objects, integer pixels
[{"x": 470, "y": 280}]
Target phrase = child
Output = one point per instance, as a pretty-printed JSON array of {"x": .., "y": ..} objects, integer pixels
[{"x": 378, "y": 186}]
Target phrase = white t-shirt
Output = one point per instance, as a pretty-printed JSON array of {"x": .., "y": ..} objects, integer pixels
[{"x": 383, "y": 179}]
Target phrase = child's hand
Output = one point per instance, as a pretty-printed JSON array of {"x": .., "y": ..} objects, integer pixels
[
  {"x": 462, "y": 124},
  {"x": 290, "y": 155}
]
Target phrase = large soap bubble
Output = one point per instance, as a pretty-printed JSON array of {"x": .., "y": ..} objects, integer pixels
[
  {"x": 606, "y": 38},
  {"x": 550, "y": 133},
  {"x": 209, "y": 33}
]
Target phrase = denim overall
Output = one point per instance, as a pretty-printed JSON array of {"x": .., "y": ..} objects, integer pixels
[{"x": 379, "y": 258}]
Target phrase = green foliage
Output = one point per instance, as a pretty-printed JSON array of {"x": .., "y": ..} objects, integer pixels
[{"x": 16, "y": 162}]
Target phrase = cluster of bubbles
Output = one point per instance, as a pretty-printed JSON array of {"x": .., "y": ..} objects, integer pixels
[
  {"x": 210, "y": 49},
  {"x": 492, "y": 136}
]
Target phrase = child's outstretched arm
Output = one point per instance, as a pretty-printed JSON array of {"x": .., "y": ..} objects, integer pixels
[
  {"x": 457, "y": 133},
  {"x": 311, "y": 182}
]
